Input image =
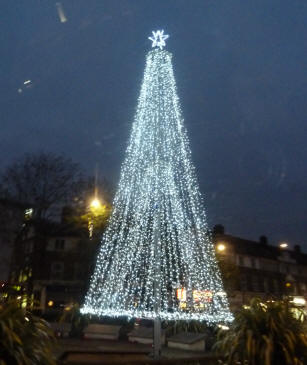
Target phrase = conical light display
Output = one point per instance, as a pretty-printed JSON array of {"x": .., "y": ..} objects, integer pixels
[{"x": 156, "y": 258}]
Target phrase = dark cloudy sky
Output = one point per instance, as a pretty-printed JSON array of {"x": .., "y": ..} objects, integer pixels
[{"x": 241, "y": 74}]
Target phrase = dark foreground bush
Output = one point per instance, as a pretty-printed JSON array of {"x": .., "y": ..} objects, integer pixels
[
  {"x": 24, "y": 338},
  {"x": 266, "y": 334}
]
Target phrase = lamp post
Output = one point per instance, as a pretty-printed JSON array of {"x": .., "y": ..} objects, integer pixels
[{"x": 95, "y": 205}]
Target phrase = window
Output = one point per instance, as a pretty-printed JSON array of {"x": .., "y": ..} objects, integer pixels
[
  {"x": 57, "y": 270},
  {"x": 249, "y": 284},
  {"x": 271, "y": 285},
  {"x": 255, "y": 286},
  {"x": 247, "y": 261},
  {"x": 253, "y": 263},
  {"x": 261, "y": 284},
  {"x": 243, "y": 283},
  {"x": 241, "y": 260},
  {"x": 28, "y": 213},
  {"x": 78, "y": 271},
  {"x": 59, "y": 244},
  {"x": 282, "y": 268}
]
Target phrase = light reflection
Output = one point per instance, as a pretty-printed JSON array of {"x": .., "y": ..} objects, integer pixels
[{"x": 61, "y": 13}]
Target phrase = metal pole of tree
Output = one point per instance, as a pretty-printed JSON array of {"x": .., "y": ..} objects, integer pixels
[{"x": 157, "y": 287}]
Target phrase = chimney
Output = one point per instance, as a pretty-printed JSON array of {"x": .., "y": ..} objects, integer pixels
[
  {"x": 218, "y": 229},
  {"x": 297, "y": 248},
  {"x": 263, "y": 240}
]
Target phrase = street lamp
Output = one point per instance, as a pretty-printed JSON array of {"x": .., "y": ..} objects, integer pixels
[
  {"x": 95, "y": 210},
  {"x": 95, "y": 203},
  {"x": 221, "y": 247},
  {"x": 283, "y": 245}
]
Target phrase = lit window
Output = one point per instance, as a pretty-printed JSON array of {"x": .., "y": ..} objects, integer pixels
[
  {"x": 202, "y": 296},
  {"x": 182, "y": 294},
  {"x": 28, "y": 213}
]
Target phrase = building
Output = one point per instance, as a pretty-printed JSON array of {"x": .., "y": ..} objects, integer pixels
[
  {"x": 11, "y": 220},
  {"x": 257, "y": 269},
  {"x": 51, "y": 264}
]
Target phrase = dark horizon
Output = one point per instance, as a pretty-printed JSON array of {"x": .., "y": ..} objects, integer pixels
[{"x": 241, "y": 80}]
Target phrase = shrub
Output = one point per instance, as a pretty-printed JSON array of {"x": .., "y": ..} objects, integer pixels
[
  {"x": 24, "y": 338},
  {"x": 264, "y": 333}
]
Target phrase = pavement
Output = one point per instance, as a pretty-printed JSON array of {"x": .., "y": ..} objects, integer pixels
[{"x": 81, "y": 351}]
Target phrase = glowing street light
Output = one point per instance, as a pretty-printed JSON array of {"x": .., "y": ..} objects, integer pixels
[
  {"x": 221, "y": 247},
  {"x": 283, "y": 245},
  {"x": 95, "y": 203},
  {"x": 96, "y": 209}
]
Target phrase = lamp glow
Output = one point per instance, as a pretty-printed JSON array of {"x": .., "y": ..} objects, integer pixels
[
  {"x": 95, "y": 203},
  {"x": 221, "y": 247}
]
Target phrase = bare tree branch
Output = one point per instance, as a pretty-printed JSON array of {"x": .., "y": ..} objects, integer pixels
[{"x": 44, "y": 181}]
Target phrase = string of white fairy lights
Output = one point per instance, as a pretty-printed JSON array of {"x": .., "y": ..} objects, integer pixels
[{"x": 158, "y": 174}]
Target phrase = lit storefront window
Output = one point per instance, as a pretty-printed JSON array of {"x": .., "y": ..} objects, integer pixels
[
  {"x": 200, "y": 297},
  {"x": 182, "y": 295}
]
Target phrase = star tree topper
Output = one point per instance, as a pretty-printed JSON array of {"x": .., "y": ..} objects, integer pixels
[{"x": 158, "y": 39}]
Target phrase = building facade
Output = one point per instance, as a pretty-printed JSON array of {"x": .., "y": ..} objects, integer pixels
[
  {"x": 11, "y": 221},
  {"x": 51, "y": 265},
  {"x": 258, "y": 269}
]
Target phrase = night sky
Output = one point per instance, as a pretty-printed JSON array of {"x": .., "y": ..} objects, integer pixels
[{"x": 241, "y": 74}]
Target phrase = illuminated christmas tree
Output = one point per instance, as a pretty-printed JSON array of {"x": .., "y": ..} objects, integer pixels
[{"x": 156, "y": 258}]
